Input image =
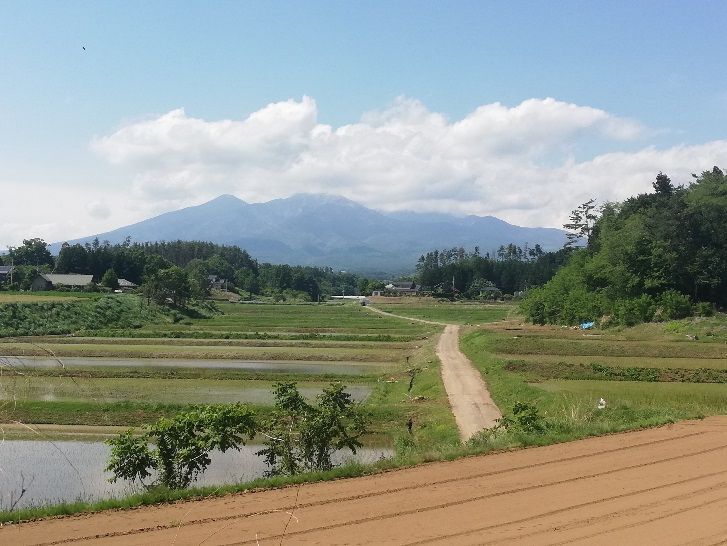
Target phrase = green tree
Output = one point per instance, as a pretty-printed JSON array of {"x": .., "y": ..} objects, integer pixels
[
  {"x": 198, "y": 273},
  {"x": 32, "y": 252},
  {"x": 109, "y": 279},
  {"x": 582, "y": 220},
  {"x": 302, "y": 437},
  {"x": 177, "y": 449}
]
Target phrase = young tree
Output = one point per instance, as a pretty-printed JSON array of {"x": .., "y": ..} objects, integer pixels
[
  {"x": 302, "y": 437},
  {"x": 582, "y": 220},
  {"x": 177, "y": 450},
  {"x": 109, "y": 279}
]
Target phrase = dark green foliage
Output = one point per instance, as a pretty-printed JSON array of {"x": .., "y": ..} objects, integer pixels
[
  {"x": 176, "y": 450},
  {"x": 109, "y": 279},
  {"x": 595, "y": 371},
  {"x": 302, "y": 437},
  {"x": 525, "y": 418},
  {"x": 647, "y": 259},
  {"x": 58, "y": 317},
  {"x": 513, "y": 268},
  {"x": 32, "y": 252}
]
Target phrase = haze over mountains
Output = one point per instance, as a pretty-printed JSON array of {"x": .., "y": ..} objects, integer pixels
[{"x": 327, "y": 230}]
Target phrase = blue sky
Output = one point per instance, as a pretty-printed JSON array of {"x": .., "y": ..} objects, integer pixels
[{"x": 69, "y": 117}]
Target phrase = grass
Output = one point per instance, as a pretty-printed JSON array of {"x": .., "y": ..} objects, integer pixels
[
  {"x": 129, "y": 350},
  {"x": 540, "y": 345},
  {"x": 455, "y": 313},
  {"x": 15, "y": 297},
  {"x": 564, "y": 374},
  {"x": 620, "y": 361},
  {"x": 156, "y": 390}
]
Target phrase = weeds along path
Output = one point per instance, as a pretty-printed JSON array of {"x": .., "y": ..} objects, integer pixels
[
  {"x": 469, "y": 398},
  {"x": 662, "y": 486}
]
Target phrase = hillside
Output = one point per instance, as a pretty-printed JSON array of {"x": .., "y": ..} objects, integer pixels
[{"x": 313, "y": 229}]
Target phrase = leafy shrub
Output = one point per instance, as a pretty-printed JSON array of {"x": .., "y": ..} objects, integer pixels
[
  {"x": 674, "y": 305},
  {"x": 302, "y": 437},
  {"x": 704, "y": 309},
  {"x": 525, "y": 418},
  {"x": 177, "y": 450}
]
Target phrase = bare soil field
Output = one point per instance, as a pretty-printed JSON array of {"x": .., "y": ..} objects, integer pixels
[{"x": 658, "y": 486}]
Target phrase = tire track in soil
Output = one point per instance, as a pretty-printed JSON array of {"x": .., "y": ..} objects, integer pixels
[
  {"x": 389, "y": 491},
  {"x": 705, "y": 440}
]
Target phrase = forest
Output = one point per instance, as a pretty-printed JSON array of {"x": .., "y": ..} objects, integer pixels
[{"x": 656, "y": 256}]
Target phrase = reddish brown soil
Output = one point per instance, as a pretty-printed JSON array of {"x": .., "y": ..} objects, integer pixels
[{"x": 660, "y": 486}]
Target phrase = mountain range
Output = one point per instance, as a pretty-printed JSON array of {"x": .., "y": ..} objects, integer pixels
[{"x": 327, "y": 230}]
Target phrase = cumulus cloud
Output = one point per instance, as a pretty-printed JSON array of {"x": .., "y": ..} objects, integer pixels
[{"x": 515, "y": 162}]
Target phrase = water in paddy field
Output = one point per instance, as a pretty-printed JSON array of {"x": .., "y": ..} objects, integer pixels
[
  {"x": 60, "y": 471},
  {"x": 273, "y": 366}
]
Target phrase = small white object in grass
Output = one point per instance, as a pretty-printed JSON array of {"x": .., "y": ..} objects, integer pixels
[{"x": 601, "y": 404}]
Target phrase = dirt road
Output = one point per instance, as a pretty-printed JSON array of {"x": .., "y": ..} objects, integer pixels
[
  {"x": 660, "y": 486},
  {"x": 467, "y": 392}
]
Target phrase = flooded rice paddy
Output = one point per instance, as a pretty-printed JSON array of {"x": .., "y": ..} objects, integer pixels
[
  {"x": 270, "y": 366},
  {"x": 64, "y": 471}
]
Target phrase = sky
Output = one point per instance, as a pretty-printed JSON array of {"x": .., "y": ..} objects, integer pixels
[{"x": 520, "y": 110}]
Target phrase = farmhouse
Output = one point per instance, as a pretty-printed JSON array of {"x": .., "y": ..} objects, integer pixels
[
  {"x": 403, "y": 288},
  {"x": 49, "y": 281},
  {"x": 216, "y": 282},
  {"x": 126, "y": 286},
  {"x": 5, "y": 271}
]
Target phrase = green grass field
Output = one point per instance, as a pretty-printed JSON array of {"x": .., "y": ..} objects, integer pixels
[
  {"x": 15, "y": 297},
  {"x": 455, "y": 313},
  {"x": 335, "y": 337},
  {"x": 647, "y": 375}
]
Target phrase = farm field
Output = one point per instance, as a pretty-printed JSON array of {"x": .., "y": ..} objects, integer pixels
[
  {"x": 82, "y": 371},
  {"x": 646, "y": 375},
  {"x": 447, "y": 312},
  {"x": 660, "y": 486}
]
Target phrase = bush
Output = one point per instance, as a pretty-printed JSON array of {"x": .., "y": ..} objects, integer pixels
[
  {"x": 181, "y": 445},
  {"x": 302, "y": 437},
  {"x": 703, "y": 309},
  {"x": 674, "y": 305}
]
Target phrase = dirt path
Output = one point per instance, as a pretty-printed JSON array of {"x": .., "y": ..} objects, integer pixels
[
  {"x": 467, "y": 392},
  {"x": 468, "y": 395},
  {"x": 660, "y": 486}
]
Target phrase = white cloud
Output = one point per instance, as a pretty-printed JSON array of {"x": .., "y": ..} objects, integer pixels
[
  {"x": 513, "y": 162},
  {"x": 98, "y": 210}
]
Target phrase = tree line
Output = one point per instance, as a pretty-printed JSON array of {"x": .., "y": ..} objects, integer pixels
[
  {"x": 457, "y": 272},
  {"x": 177, "y": 270},
  {"x": 656, "y": 256}
]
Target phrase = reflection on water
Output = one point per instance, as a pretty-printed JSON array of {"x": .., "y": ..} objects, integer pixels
[
  {"x": 271, "y": 366},
  {"x": 71, "y": 470}
]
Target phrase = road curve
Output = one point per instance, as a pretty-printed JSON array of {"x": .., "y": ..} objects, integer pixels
[
  {"x": 663, "y": 486},
  {"x": 467, "y": 392}
]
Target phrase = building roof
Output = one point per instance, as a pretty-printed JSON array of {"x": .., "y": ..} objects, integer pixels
[
  {"x": 70, "y": 279},
  {"x": 6, "y": 269},
  {"x": 402, "y": 285},
  {"x": 123, "y": 283}
]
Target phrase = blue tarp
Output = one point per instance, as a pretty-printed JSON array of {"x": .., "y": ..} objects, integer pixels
[{"x": 587, "y": 325}]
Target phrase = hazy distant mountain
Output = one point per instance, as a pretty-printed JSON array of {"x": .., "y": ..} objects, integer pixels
[{"x": 313, "y": 229}]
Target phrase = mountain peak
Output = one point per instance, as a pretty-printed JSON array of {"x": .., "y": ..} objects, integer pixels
[
  {"x": 226, "y": 198},
  {"x": 329, "y": 230}
]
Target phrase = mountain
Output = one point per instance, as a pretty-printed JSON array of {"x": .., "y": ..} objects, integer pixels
[{"x": 315, "y": 229}]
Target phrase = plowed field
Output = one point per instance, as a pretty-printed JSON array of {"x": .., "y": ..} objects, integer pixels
[{"x": 659, "y": 486}]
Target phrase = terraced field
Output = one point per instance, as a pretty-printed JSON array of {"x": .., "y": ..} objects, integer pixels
[
  {"x": 233, "y": 356},
  {"x": 652, "y": 373}
]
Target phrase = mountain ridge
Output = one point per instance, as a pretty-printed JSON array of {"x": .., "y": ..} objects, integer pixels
[{"x": 328, "y": 230}]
